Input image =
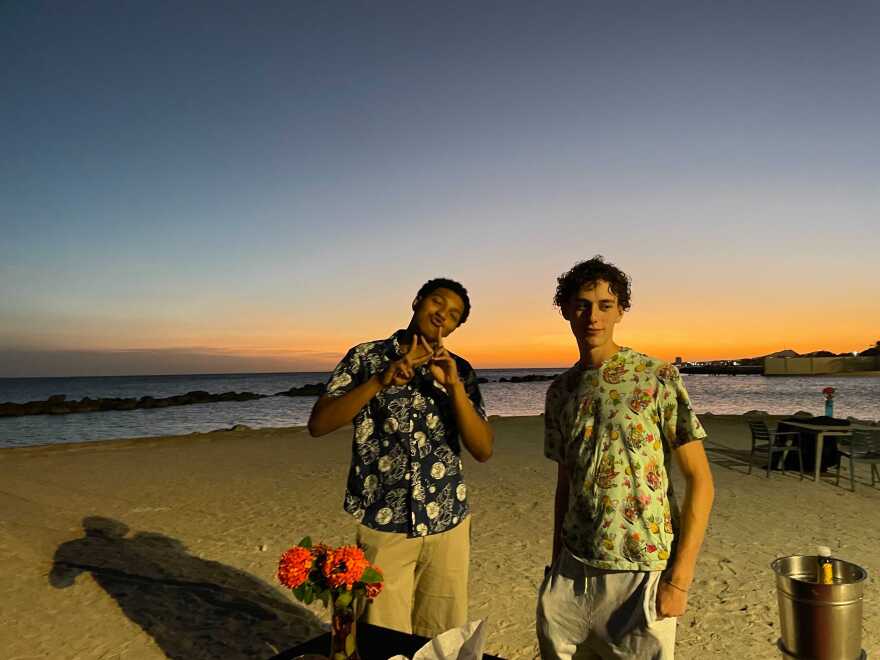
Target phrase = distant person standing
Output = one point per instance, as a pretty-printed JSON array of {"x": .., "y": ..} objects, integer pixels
[
  {"x": 621, "y": 566},
  {"x": 413, "y": 404}
]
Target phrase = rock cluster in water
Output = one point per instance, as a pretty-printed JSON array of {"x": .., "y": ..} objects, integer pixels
[
  {"x": 60, "y": 405},
  {"x": 531, "y": 378},
  {"x": 309, "y": 389}
]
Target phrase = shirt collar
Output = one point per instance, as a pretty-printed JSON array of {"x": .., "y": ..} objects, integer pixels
[
  {"x": 396, "y": 339},
  {"x": 620, "y": 354}
]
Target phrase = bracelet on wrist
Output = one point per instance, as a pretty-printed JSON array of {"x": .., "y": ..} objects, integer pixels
[{"x": 674, "y": 586}]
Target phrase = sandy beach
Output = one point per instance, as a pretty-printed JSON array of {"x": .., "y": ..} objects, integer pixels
[{"x": 185, "y": 533}]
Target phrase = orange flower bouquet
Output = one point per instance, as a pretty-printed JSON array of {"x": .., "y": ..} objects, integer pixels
[{"x": 338, "y": 577}]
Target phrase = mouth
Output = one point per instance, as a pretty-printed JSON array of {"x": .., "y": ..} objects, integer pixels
[{"x": 437, "y": 323}]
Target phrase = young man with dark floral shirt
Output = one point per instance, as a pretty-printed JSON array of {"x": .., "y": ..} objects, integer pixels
[
  {"x": 621, "y": 566},
  {"x": 413, "y": 405}
]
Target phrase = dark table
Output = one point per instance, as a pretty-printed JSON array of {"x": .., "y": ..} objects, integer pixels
[
  {"x": 817, "y": 454},
  {"x": 374, "y": 643}
]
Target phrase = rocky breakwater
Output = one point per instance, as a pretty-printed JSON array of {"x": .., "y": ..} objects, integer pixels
[
  {"x": 531, "y": 378},
  {"x": 60, "y": 405},
  {"x": 309, "y": 389}
]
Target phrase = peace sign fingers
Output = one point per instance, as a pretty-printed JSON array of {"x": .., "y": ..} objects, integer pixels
[
  {"x": 444, "y": 368},
  {"x": 419, "y": 351},
  {"x": 426, "y": 352}
]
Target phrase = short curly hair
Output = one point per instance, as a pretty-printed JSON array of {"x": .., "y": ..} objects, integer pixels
[
  {"x": 590, "y": 272},
  {"x": 452, "y": 285}
]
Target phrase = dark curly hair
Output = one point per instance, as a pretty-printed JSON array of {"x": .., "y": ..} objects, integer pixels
[
  {"x": 452, "y": 285},
  {"x": 590, "y": 272}
]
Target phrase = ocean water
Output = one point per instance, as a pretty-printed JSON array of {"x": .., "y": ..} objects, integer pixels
[{"x": 856, "y": 396}]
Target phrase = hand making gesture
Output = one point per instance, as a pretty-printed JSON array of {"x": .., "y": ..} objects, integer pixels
[
  {"x": 401, "y": 371},
  {"x": 443, "y": 366}
]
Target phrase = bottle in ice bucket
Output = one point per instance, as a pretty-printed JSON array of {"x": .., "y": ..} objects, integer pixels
[{"x": 825, "y": 572}]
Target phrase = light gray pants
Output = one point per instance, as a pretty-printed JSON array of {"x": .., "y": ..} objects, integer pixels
[{"x": 586, "y": 613}]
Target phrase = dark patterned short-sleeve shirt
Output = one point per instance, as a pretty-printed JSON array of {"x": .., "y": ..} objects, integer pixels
[
  {"x": 614, "y": 428},
  {"x": 406, "y": 473}
]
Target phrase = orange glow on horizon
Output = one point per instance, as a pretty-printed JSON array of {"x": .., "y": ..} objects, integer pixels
[
  {"x": 499, "y": 336},
  {"x": 545, "y": 351}
]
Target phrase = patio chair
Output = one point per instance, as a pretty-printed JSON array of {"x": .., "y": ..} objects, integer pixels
[
  {"x": 863, "y": 446},
  {"x": 773, "y": 442}
]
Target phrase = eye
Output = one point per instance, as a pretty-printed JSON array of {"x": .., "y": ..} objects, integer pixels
[{"x": 455, "y": 316}]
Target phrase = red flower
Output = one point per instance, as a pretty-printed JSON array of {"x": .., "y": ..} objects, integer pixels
[
  {"x": 294, "y": 566},
  {"x": 828, "y": 391},
  {"x": 344, "y": 566}
]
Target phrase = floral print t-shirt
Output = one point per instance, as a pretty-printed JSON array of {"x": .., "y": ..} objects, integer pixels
[
  {"x": 406, "y": 473},
  {"x": 614, "y": 427}
]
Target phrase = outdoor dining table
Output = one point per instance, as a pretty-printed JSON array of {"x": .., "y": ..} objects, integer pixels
[
  {"x": 821, "y": 431},
  {"x": 373, "y": 643}
]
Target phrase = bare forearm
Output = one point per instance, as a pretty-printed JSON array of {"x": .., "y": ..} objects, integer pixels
[
  {"x": 694, "y": 521},
  {"x": 476, "y": 433},
  {"x": 330, "y": 414}
]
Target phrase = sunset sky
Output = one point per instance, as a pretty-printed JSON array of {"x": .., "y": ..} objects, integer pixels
[{"x": 230, "y": 186}]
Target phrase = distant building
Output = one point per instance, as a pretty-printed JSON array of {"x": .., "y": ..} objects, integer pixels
[
  {"x": 678, "y": 361},
  {"x": 814, "y": 366}
]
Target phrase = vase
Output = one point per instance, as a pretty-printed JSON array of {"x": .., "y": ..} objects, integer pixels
[
  {"x": 343, "y": 634},
  {"x": 829, "y": 407}
]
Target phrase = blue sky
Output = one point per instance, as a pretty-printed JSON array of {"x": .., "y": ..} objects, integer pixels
[{"x": 273, "y": 181}]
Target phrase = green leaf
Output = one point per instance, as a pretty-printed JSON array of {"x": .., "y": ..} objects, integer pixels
[
  {"x": 300, "y": 591},
  {"x": 371, "y": 576},
  {"x": 310, "y": 596},
  {"x": 349, "y": 644},
  {"x": 344, "y": 599},
  {"x": 325, "y": 597},
  {"x": 306, "y": 542}
]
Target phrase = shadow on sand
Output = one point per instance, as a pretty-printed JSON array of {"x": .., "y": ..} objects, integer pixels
[
  {"x": 193, "y": 608},
  {"x": 737, "y": 460},
  {"x": 730, "y": 458}
]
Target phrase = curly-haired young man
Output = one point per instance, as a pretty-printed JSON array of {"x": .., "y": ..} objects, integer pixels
[
  {"x": 623, "y": 559},
  {"x": 413, "y": 404}
]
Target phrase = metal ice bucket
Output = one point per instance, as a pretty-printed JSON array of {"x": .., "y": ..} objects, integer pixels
[{"x": 819, "y": 621}]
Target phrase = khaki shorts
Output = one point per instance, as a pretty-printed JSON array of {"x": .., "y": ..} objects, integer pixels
[
  {"x": 588, "y": 613},
  {"x": 426, "y": 579}
]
